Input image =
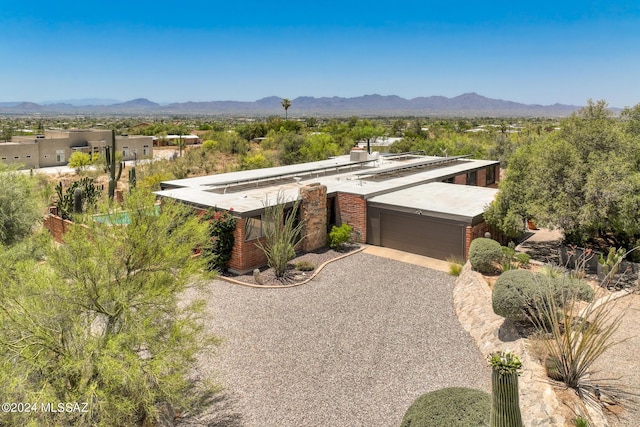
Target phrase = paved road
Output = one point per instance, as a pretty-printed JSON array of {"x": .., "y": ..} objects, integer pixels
[{"x": 354, "y": 347}]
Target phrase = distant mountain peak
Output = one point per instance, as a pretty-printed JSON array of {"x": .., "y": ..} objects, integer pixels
[{"x": 468, "y": 104}]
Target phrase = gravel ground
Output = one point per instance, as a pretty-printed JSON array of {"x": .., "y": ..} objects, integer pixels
[
  {"x": 622, "y": 361},
  {"x": 353, "y": 347}
]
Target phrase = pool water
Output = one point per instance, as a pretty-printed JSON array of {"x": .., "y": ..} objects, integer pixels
[{"x": 118, "y": 218}]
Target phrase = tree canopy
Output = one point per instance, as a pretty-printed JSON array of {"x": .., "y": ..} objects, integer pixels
[
  {"x": 20, "y": 207},
  {"x": 584, "y": 179},
  {"x": 98, "y": 321}
]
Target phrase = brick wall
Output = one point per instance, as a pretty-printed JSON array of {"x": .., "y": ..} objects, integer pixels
[
  {"x": 479, "y": 230},
  {"x": 460, "y": 179},
  {"x": 58, "y": 226},
  {"x": 482, "y": 178},
  {"x": 245, "y": 256},
  {"x": 352, "y": 209}
]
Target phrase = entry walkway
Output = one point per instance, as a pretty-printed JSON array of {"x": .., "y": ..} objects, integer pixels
[{"x": 423, "y": 261}]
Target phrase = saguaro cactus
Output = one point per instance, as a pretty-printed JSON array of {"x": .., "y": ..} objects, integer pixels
[
  {"x": 110, "y": 157},
  {"x": 505, "y": 403},
  {"x": 132, "y": 178}
]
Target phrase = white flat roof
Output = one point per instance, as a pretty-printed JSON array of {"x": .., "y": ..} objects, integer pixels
[
  {"x": 439, "y": 199},
  {"x": 247, "y": 191}
]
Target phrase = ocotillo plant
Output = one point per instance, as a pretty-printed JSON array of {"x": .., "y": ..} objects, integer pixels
[
  {"x": 505, "y": 403},
  {"x": 132, "y": 178},
  {"x": 110, "y": 157}
]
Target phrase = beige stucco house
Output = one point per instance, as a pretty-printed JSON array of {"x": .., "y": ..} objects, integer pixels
[{"x": 54, "y": 147}]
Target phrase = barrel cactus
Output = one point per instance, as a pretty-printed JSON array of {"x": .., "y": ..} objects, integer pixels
[{"x": 505, "y": 402}]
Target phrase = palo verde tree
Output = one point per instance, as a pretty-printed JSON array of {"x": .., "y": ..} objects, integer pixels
[
  {"x": 20, "y": 208},
  {"x": 99, "y": 321}
]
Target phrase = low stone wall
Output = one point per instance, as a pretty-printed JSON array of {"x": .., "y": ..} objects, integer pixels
[{"x": 472, "y": 302}]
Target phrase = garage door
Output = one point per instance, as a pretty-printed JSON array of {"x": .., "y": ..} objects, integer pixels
[{"x": 422, "y": 235}]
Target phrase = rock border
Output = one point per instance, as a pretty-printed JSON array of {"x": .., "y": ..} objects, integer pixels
[
  {"x": 472, "y": 301},
  {"x": 293, "y": 285}
]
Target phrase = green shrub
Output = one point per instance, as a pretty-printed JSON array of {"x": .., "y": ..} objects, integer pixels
[
  {"x": 517, "y": 294},
  {"x": 338, "y": 236},
  {"x": 508, "y": 256},
  {"x": 450, "y": 407},
  {"x": 221, "y": 227},
  {"x": 484, "y": 254},
  {"x": 523, "y": 260},
  {"x": 513, "y": 294},
  {"x": 455, "y": 266}
]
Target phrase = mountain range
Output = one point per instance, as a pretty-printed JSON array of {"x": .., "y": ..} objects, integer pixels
[{"x": 465, "y": 105}]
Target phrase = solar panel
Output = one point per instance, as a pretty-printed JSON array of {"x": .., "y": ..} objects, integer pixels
[{"x": 424, "y": 163}]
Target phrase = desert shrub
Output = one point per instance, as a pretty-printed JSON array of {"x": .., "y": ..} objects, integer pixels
[
  {"x": 484, "y": 254},
  {"x": 517, "y": 294},
  {"x": 221, "y": 227},
  {"x": 508, "y": 256},
  {"x": 451, "y": 407},
  {"x": 338, "y": 236},
  {"x": 523, "y": 260},
  {"x": 513, "y": 294},
  {"x": 575, "y": 342},
  {"x": 455, "y": 266},
  {"x": 550, "y": 270},
  {"x": 305, "y": 266}
]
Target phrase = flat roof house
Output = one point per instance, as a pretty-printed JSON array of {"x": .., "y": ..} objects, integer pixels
[
  {"x": 54, "y": 147},
  {"x": 427, "y": 205}
]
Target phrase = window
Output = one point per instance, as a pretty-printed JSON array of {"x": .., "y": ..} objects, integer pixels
[
  {"x": 28, "y": 157},
  {"x": 491, "y": 175},
  {"x": 4, "y": 158},
  {"x": 16, "y": 157},
  {"x": 60, "y": 156},
  {"x": 253, "y": 228},
  {"x": 472, "y": 178}
]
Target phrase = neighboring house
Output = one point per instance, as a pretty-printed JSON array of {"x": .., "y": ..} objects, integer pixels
[
  {"x": 427, "y": 205},
  {"x": 54, "y": 147},
  {"x": 175, "y": 140}
]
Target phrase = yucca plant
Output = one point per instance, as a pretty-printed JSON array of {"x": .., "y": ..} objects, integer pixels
[
  {"x": 576, "y": 338},
  {"x": 282, "y": 233}
]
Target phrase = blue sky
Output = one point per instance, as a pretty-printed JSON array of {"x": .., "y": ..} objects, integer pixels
[{"x": 533, "y": 52}]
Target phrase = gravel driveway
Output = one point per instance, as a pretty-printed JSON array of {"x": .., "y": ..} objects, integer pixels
[{"x": 354, "y": 347}]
